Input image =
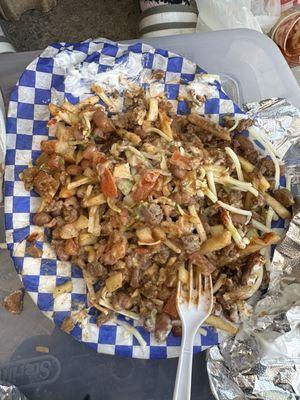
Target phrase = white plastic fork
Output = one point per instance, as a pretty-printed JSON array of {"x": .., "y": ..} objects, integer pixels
[{"x": 193, "y": 312}]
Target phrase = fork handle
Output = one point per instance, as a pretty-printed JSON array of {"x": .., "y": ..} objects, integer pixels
[{"x": 182, "y": 390}]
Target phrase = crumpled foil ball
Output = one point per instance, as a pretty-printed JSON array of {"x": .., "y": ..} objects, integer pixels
[{"x": 10, "y": 392}]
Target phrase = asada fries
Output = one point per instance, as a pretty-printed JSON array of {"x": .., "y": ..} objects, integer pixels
[{"x": 134, "y": 197}]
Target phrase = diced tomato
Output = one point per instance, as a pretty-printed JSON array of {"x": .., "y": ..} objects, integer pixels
[
  {"x": 52, "y": 121},
  {"x": 145, "y": 186},
  {"x": 180, "y": 160},
  {"x": 108, "y": 185},
  {"x": 170, "y": 306}
]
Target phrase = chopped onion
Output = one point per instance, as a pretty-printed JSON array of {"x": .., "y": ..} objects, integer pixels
[
  {"x": 236, "y": 162},
  {"x": 122, "y": 171},
  {"x": 140, "y": 156},
  {"x": 112, "y": 205},
  {"x": 159, "y": 132},
  {"x": 126, "y": 313},
  {"x": 131, "y": 329}
]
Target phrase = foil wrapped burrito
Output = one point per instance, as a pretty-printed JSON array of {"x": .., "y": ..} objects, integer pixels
[{"x": 263, "y": 360}]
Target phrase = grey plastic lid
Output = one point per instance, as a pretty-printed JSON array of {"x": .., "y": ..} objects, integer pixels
[{"x": 250, "y": 64}]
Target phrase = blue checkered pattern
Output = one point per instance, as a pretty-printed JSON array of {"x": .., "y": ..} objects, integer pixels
[{"x": 48, "y": 79}]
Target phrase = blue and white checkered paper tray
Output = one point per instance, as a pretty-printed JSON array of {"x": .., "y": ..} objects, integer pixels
[{"x": 67, "y": 71}]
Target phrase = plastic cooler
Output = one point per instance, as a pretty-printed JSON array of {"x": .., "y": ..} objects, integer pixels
[{"x": 251, "y": 68}]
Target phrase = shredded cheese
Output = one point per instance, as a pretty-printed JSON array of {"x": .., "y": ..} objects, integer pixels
[
  {"x": 269, "y": 217},
  {"x": 211, "y": 182},
  {"x": 227, "y": 221},
  {"x": 131, "y": 329},
  {"x": 235, "y": 182},
  {"x": 261, "y": 227},
  {"x": 288, "y": 183},
  {"x": 210, "y": 195},
  {"x": 236, "y": 162},
  {"x": 234, "y": 209},
  {"x": 159, "y": 132}
]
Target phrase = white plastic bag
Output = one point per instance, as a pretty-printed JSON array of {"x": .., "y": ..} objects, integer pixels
[
  {"x": 266, "y": 12},
  {"x": 260, "y": 15}
]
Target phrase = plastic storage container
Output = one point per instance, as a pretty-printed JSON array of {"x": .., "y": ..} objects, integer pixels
[{"x": 251, "y": 68}]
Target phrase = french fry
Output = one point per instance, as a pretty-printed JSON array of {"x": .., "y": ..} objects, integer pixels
[
  {"x": 79, "y": 182},
  {"x": 260, "y": 183},
  {"x": 258, "y": 243},
  {"x": 219, "y": 283},
  {"x": 69, "y": 107},
  {"x": 131, "y": 136},
  {"x": 222, "y": 324},
  {"x": 172, "y": 246},
  {"x": 158, "y": 233},
  {"x": 216, "y": 230},
  {"x": 94, "y": 201},
  {"x": 81, "y": 223},
  {"x": 165, "y": 123},
  {"x": 209, "y": 126},
  {"x": 215, "y": 243},
  {"x": 93, "y": 224},
  {"x": 152, "y": 114},
  {"x": 114, "y": 282},
  {"x": 100, "y": 92},
  {"x": 65, "y": 193},
  {"x": 86, "y": 239},
  {"x": 183, "y": 275},
  {"x": 90, "y": 101},
  {"x": 198, "y": 223},
  {"x": 277, "y": 207},
  {"x": 246, "y": 165}
]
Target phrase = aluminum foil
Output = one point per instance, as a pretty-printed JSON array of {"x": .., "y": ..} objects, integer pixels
[
  {"x": 10, "y": 392},
  {"x": 263, "y": 360}
]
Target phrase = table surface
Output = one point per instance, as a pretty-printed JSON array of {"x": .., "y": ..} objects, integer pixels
[{"x": 71, "y": 370}]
